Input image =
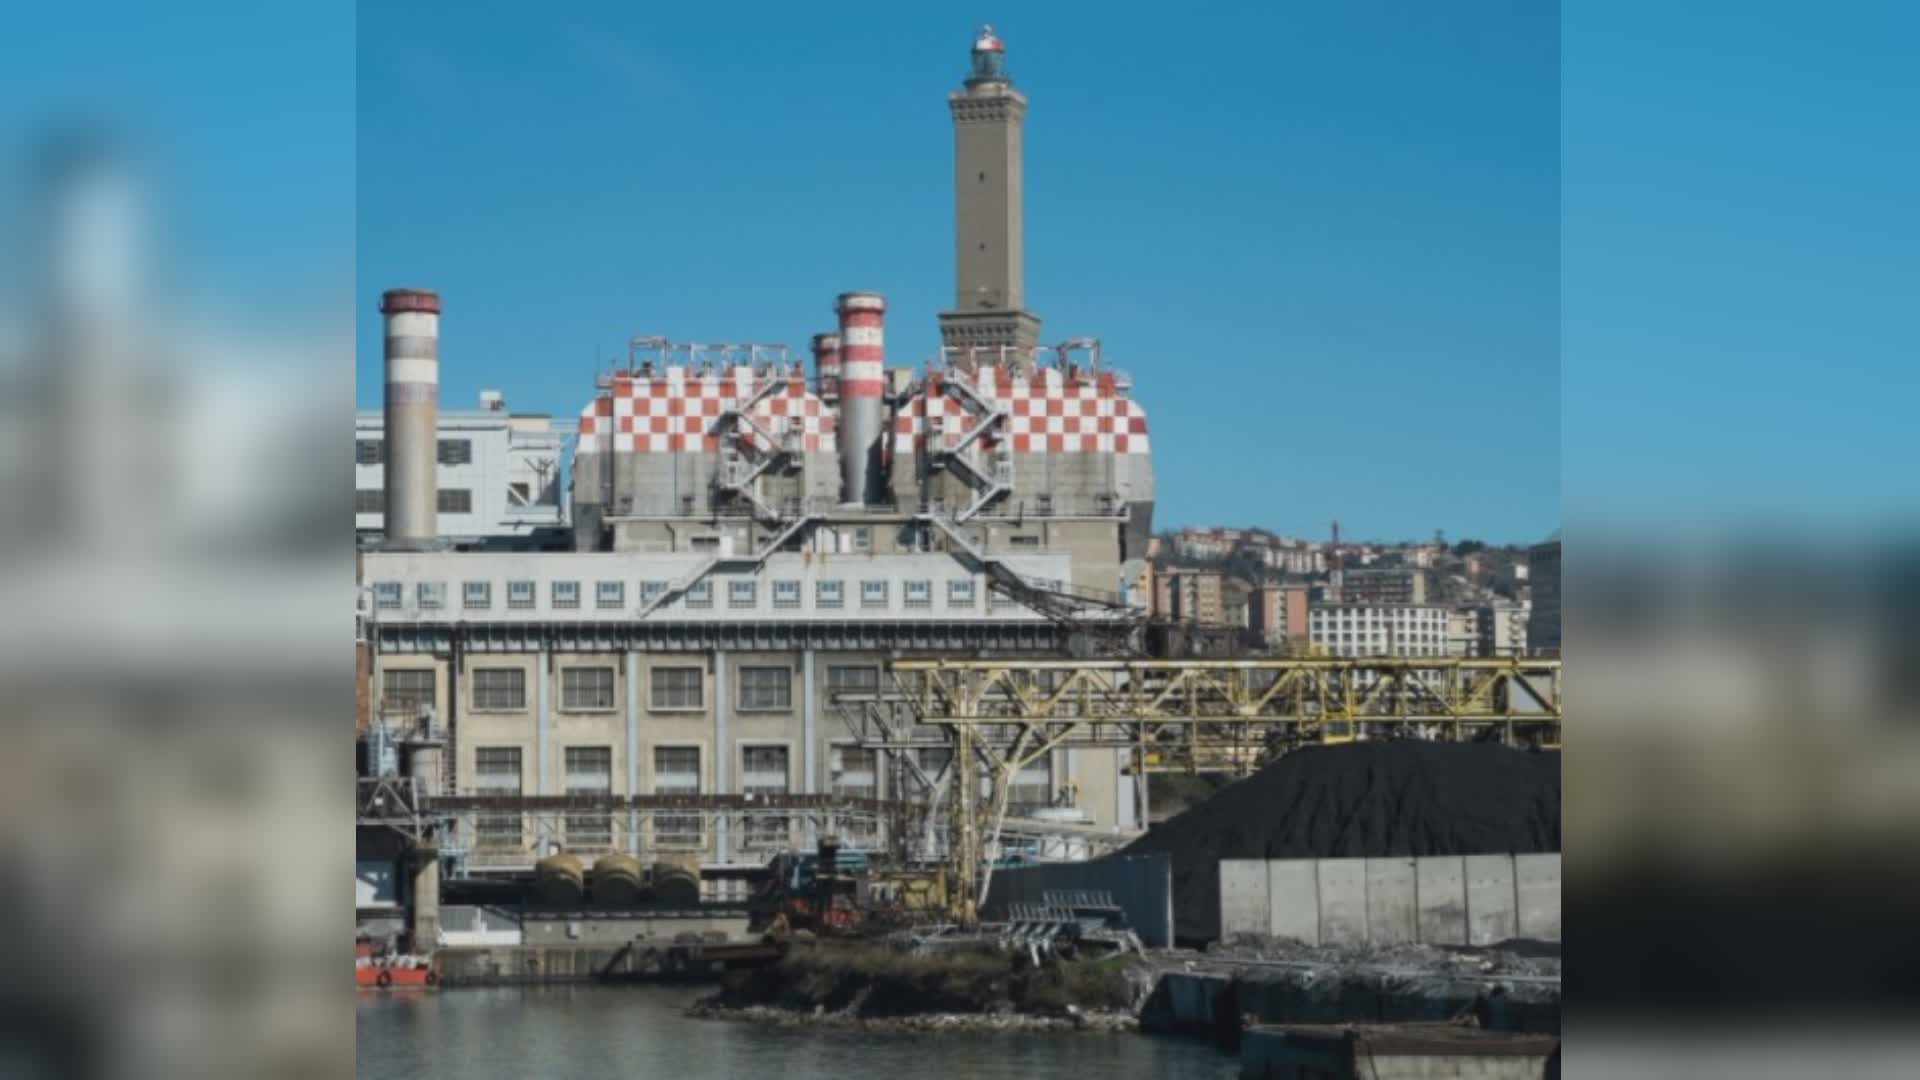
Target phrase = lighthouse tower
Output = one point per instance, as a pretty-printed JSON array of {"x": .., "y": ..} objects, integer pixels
[{"x": 989, "y": 310}]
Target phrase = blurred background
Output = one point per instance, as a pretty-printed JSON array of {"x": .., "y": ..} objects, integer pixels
[
  {"x": 176, "y": 274},
  {"x": 1740, "y": 255},
  {"x": 1742, "y": 792}
]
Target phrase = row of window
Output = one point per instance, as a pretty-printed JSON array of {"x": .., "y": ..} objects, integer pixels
[
  {"x": 450, "y": 451},
  {"x": 449, "y": 500},
  {"x": 591, "y": 688},
  {"x": 741, "y": 593},
  {"x": 764, "y": 770}
]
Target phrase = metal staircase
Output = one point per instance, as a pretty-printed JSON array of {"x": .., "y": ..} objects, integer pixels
[
  {"x": 1108, "y": 622},
  {"x": 989, "y": 482},
  {"x": 688, "y": 580}
]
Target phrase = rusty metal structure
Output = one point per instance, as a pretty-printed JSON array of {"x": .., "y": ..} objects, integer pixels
[{"x": 997, "y": 717}]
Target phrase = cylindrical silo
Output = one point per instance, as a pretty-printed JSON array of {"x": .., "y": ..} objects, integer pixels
[
  {"x": 675, "y": 885},
  {"x": 560, "y": 880},
  {"x": 826, "y": 367},
  {"x": 413, "y": 415},
  {"x": 863, "y": 356},
  {"x": 618, "y": 881}
]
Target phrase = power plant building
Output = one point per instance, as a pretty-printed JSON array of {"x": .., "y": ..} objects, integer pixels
[
  {"x": 497, "y": 477},
  {"x": 750, "y": 538}
]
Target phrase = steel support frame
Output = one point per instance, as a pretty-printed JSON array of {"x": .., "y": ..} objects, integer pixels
[{"x": 1001, "y": 715}]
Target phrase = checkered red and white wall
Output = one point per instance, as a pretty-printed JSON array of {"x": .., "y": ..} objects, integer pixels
[
  {"x": 675, "y": 410},
  {"x": 1048, "y": 412}
]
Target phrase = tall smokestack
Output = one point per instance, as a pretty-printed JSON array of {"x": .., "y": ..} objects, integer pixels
[
  {"x": 413, "y": 415},
  {"x": 826, "y": 366},
  {"x": 863, "y": 355}
]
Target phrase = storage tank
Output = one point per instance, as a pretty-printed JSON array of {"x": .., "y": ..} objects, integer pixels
[
  {"x": 1063, "y": 847},
  {"x": 618, "y": 881},
  {"x": 560, "y": 880},
  {"x": 675, "y": 885}
]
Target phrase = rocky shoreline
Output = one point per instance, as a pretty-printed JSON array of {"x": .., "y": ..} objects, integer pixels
[{"x": 1087, "y": 1020}]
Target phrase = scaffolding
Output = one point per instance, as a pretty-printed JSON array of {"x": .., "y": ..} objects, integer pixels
[{"x": 997, "y": 717}]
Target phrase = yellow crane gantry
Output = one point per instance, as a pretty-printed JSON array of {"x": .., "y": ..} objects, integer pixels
[{"x": 1001, "y": 715}]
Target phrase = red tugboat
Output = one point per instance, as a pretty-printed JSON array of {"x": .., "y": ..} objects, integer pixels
[{"x": 392, "y": 971}]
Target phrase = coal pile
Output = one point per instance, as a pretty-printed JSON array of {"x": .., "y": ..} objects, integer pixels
[{"x": 1357, "y": 800}]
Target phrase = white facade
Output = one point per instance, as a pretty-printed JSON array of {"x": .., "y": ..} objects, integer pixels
[
  {"x": 616, "y": 586},
  {"x": 1379, "y": 630},
  {"x": 498, "y": 473},
  {"x": 1503, "y": 629}
]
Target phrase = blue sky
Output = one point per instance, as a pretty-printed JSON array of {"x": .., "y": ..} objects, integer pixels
[
  {"x": 1742, "y": 255},
  {"x": 1323, "y": 237}
]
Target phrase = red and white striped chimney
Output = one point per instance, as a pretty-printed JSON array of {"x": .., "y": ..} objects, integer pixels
[
  {"x": 412, "y": 415},
  {"x": 826, "y": 366},
  {"x": 863, "y": 357}
]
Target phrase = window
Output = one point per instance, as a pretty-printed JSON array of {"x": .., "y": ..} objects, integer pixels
[
  {"x": 863, "y": 539},
  {"x": 369, "y": 501},
  {"x": 917, "y": 594},
  {"x": 407, "y": 691},
  {"x": 933, "y": 762},
  {"x": 676, "y": 771},
  {"x": 854, "y": 772},
  {"x": 497, "y": 772},
  {"x": 677, "y": 687},
  {"x": 700, "y": 595},
  {"x": 476, "y": 595},
  {"x": 431, "y": 594},
  {"x": 586, "y": 689},
  {"x": 856, "y": 775},
  {"x": 873, "y": 594},
  {"x": 566, "y": 594},
  {"x": 765, "y": 688},
  {"x": 828, "y": 595},
  {"x": 1023, "y": 541},
  {"x": 499, "y": 689},
  {"x": 786, "y": 594},
  {"x": 388, "y": 594},
  {"x": 1032, "y": 787},
  {"x": 763, "y": 771},
  {"x": 857, "y": 680},
  {"x": 960, "y": 595},
  {"x": 456, "y": 451},
  {"x": 456, "y": 501},
  {"x": 519, "y": 594},
  {"x": 368, "y": 452},
  {"x": 651, "y": 590},
  {"x": 741, "y": 594},
  {"x": 998, "y": 599},
  {"x": 610, "y": 594},
  {"x": 589, "y": 772},
  {"x": 705, "y": 543}
]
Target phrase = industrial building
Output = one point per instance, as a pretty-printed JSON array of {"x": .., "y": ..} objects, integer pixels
[
  {"x": 497, "y": 477},
  {"x": 750, "y": 538}
]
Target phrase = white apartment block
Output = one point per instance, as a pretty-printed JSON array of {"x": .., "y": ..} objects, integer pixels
[{"x": 1379, "y": 630}]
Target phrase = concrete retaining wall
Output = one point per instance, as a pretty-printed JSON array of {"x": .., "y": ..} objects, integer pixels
[
  {"x": 1214, "y": 1004},
  {"x": 1438, "y": 900},
  {"x": 1141, "y": 884}
]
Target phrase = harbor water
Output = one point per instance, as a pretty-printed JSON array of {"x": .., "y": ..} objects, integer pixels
[{"x": 595, "y": 1032}]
